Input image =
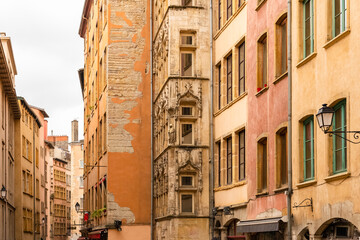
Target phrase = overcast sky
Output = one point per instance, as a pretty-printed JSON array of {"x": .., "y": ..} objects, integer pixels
[{"x": 48, "y": 52}]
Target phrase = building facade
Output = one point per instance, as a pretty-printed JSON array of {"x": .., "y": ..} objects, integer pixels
[
  {"x": 10, "y": 114},
  {"x": 77, "y": 180},
  {"x": 27, "y": 174},
  {"x": 230, "y": 108},
  {"x": 116, "y": 89},
  {"x": 325, "y": 168},
  {"x": 181, "y": 94},
  {"x": 266, "y": 152}
]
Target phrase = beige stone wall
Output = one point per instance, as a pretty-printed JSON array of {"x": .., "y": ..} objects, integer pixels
[{"x": 173, "y": 158}]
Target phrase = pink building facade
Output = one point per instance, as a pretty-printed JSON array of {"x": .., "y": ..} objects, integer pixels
[{"x": 266, "y": 151}]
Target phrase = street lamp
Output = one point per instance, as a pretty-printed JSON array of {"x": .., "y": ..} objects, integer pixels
[
  {"x": 325, "y": 118},
  {"x": 3, "y": 192},
  {"x": 77, "y": 207}
]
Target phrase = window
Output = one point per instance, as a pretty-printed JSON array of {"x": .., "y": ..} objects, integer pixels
[
  {"x": 229, "y": 78},
  {"x": 186, "y": 203},
  {"x": 262, "y": 165},
  {"x": 219, "y": 16},
  {"x": 339, "y": 9},
  {"x": 60, "y": 192},
  {"x": 37, "y": 189},
  {"x": 37, "y": 157},
  {"x": 281, "y": 157},
  {"x": 186, "y": 133},
  {"x": 186, "y": 39},
  {"x": 281, "y": 46},
  {"x": 262, "y": 63},
  {"x": 229, "y": 8},
  {"x": 240, "y": 2},
  {"x": 308, "y": 31},
  {"x": 186, "y": 181},
  {"x": 81, "y": 182},
  {"x": 218, "y": 144},
  {"x": 186, "y": 111},
  {"x": 186, "y": 64},
  {"x": 105, "y": 133},
  {"x": 27, "y": 220},
  {"x": 27, "y": 183},
  {"x": 219, "y": 86},
  {"x": 339, "y": 143},
  {"x": 229, "y": 160},
  {"x": 186, "y": 2},
  {"x": 308, "y": 148},
  {"x": 241, "y": 69},
  {"x": 241, "y": 135},
  {"x": 81, "y": 163}
]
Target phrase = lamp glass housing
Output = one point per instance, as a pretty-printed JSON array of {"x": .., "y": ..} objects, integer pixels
[
  {"x": 325, "y": 117},
  {"x": 77, "y": 207},
  {"x": 3, "y": 192}
]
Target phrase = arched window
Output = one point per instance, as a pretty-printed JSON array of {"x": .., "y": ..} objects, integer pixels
[{"x": 232, "y": 233}]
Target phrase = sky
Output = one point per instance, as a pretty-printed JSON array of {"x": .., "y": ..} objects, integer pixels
[{"x": 48, "y": 52}]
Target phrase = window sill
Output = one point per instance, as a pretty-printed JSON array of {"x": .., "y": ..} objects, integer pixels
[
  {"x": 234, "y": 185},
  {"x": 306, "y": 183},
  {"x": 190, "y": 189},
  {"x": 264, "y": 89},
  {"x": 282, "y": 76},
  {"x": 336, "y": 39},
  {"x": 281, "y": 189},
  {"x": 262, "y": 194},
  {"x": 307, "y": 59},
  {"x": 260, "y": 4},
  {"x": 338, "y": 176}
]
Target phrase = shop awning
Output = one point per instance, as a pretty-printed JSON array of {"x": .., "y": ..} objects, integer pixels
[
  {"x": 261, "y": 225},
  {"x": 95, "y": 234}
]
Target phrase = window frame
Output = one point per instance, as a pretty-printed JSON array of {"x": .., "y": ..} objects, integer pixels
[
  {"x": 192, "y": 202},
  {"x": 309, "y": 120},
  {"x": 229, "y": 164},
  {"x": 219, "y": 86},
  {"x": 262, "y": 157},
  {"x": 241, "y": 64},
  {"x": 281, "y": 38},
  {"x": 229, "y": 78},
  {"x": 219, "y": 162},
  {"x": 342, "y": 15},
  {"x": 239, "y": 154},
  {"x": 342, "y": 107},
  {"x": 304, "y": 20},
  {"x": 229, "y": 8},
  {"x": 192, "y": 133},
  {"x": 184, "y": 52},
  {"x": 262, "y": 62}
]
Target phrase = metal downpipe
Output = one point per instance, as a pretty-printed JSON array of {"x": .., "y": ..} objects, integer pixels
[
  {"x": 289, "y": 192},
  {"x": 151, "y": 121}
]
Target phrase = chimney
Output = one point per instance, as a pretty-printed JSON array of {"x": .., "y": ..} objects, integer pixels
[{"x": 74, "y": 131}]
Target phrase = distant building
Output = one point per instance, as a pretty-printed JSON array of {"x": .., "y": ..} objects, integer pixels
[
  {"x": 117, "y": 119},
  {"x": 60, "y": 198},
  {"x": 9, "y": 117},
  {"x": 77, "y": 181},
  {"x": 27, "y": 174}
]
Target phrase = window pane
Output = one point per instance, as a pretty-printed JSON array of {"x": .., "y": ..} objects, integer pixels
[
  {"x": 187, "y": 133},
  {"x": 308, "y": 150},
  {"x": 308, "y": 169},
  {"x": 264, "y": 63},
  {"x": 338, "y": 161},
  {"x": 284, "y": 47},
  {"x": 187, "y": 111},
  {"x": 187, "y": 40},
  {"x": 186, "y": 203},
  {"x": 186, "y": 64},
  {"x": 186, "y": 181},
  {"x": 338, "y": 122}
]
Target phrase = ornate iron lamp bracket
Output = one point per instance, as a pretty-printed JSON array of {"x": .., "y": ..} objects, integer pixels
[
  {"x": 307, "y": 202},
  {"x": 356, "y": 135}
]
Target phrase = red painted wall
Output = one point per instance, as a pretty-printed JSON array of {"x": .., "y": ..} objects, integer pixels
[{"x": 268, "y": 110}]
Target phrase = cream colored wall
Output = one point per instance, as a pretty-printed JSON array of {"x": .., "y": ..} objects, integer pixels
[{"x": 330, "y": 74}]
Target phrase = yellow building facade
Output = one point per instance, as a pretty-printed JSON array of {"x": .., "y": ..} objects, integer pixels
[{"x": 325, "y": 71}]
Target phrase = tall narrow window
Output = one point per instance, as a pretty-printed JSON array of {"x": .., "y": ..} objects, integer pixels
[
  {"x": 262, "y": 165},
  {"x": 229, "y": 78},
  {"x": 187, "y": 133},
  {"x": 281, "y": 157},
  {"x": 219, "y": 86},
  {"x": 339, "y": 9},
  {"x": 229, "y": 160},
  {"x": 308, "y": 22},
  {"x": 281, "y": 46},
  {"x": 186, "y": 203},
  {"x": 186, "y": 64},
  {"x": 218, "y": 144},
  {"x": 219, "y": 21},
  {"x": 339, "y": 143},
  {"x": 241, "y": 68},
  {"x": 229, "y": 8},
  {"x": 242, "y": 155},
  {"x": 308, "y": 148},
  {"x": 262, "y": 63}
]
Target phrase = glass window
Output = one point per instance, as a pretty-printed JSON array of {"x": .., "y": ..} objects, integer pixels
[
  {"x": 242, "y": 155},
  {"x": 308, "y": 22},
  {"x": 262, "y": 165},
  {"x": 186, "y": 133},
  {"x": 229, "y": 160},
  {"x": 219, "y": 86},
  {"x": 229, "y": 78},
  {"x": 308, "y": 148},
  {"x": 339, "y": 143},
  {"x": 241, "y": 68},
  {"x": 186, "y": 203},
  {"x": 218, "y": 144},
  {"x": 339, "y": 9},
  {"x": 186, "y": 111},
  {"x": 262, "y": 63},
  {"x": 186, "y": 64},
  {"x": 186, "y": 181},
  {"x": 281, "y": 154},
  {"x": 281, "y": 45},
  {"x": 219, "y": 20},
  {"x": 229, "y": 8}
]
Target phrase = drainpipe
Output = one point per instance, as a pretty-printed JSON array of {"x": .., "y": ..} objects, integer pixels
[
  {"x": 152, "y": 120},
  {"x": 34, "y": 180},
  {"x": 211, "y": 159},
  {"x": 290, "y": 191}
]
